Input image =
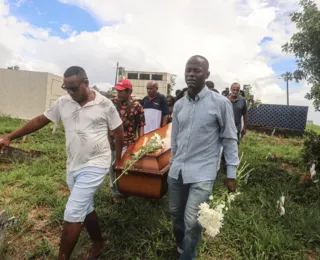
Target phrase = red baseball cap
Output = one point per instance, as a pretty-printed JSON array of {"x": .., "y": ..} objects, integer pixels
[{"x": 123, "y": 84}]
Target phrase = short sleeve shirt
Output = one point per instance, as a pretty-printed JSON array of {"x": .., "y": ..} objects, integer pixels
[
  {"x": 239, "y": 110},
  {"x": 132, "y": 116},
  {"x": 86, "y": 130},
  {"x": 154, "y": 110}
]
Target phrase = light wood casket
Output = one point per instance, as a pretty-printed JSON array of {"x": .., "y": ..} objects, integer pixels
[{"x": 147, "y": 177}]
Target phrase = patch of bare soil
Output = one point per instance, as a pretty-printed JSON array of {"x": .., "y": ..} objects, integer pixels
[
  {"x": 7, "y": 193},
  {"x": 287, "y": 166},
  {"x": 64, "y": 191},
  {"x": 5, "y": 166},
  {"x": 312, "y": 255},
  {"x": 29, "y": 236}
]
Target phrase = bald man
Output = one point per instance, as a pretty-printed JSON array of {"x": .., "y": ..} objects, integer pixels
[
  {"x": 155, "y": 107},
  {"x": 240, "y": 109}
]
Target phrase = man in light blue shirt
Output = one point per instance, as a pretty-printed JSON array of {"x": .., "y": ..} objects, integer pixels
[{"x": 203, "y": 121}]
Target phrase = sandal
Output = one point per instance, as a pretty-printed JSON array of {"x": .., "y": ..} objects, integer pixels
[{"x": 119, "y": 199}]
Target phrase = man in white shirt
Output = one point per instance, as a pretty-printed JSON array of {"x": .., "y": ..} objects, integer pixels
[{"x": 87, "y": 116}]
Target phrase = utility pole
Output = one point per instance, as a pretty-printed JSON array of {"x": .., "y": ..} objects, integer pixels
[
  {"x": 116, "y": 78},
  {"x": 287, "y": 79}
]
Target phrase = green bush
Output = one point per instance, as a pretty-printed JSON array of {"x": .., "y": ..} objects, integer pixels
[{"x": 311, "y": 148}]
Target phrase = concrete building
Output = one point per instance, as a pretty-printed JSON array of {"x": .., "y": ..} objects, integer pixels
[
  {"x": 26, "y": 94},
  {"x": 139, "y": 80}
]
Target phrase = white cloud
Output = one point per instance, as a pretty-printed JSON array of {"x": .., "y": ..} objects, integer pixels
[
  {"x": 18, "y": 3},
  {"x": 66, "y": 28},
  {"x": 161, "y": 36}
]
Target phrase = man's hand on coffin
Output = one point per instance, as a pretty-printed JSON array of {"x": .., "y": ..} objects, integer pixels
[
  {"x": 230, "y": 184},
  {"x": 116, "y": 164}
]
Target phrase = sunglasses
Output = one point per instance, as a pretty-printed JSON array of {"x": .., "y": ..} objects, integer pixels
[{"x": 73, "y": 89}]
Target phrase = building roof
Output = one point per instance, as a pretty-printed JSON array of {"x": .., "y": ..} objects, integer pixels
[
  {"x": 32, "y": 71},
  {"x": 142, "y": 71}
]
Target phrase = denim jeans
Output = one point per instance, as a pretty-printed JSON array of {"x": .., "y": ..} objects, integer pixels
[{"x": 184, "y": 201}]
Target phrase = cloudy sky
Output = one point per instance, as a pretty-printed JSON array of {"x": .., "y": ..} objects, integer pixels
[{"x": 242, "y": 39}]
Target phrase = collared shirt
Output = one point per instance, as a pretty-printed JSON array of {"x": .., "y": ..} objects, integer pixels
[
  {"x": 199, "y": 128},
  {"x": 239, "y": 110},
  {"x": 132, "y": 115},
  {"x": 154, "y": 109},
  {"x": 86, "y": 129}
]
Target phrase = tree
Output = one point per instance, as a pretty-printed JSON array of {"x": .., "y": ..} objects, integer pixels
[
  {"x": 249, "y": 97},
  {"x": 289, "y": 76},
  {"x": 305, "y": 45}
]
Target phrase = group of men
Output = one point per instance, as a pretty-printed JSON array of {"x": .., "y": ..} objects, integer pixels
[{"x": 202, "y": 122}]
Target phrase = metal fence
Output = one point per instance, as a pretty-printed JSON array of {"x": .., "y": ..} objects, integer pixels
[{"x": 279, "y": 116}]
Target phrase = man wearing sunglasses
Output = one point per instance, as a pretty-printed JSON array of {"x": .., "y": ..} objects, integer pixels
[{"x": 87, "y": 117}]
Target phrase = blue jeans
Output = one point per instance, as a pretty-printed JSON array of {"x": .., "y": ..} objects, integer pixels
[{"x": 184, "y": 201}]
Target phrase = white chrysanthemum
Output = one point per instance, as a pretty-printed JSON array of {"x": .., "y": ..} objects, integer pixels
[
  {"x": 280, "y": 204},
  {"x": 232, "y": 197},
  {"x": 211, "y": 219},
  {"x": 313, "y": 170},
  {"x": 156, "y": 139},
  {"x": 246, "y": 179}
]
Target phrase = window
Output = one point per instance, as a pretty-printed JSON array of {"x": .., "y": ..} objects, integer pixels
[
  {"x": 132, "y": 75},
  {"x": 144, "y": 76},
  {"x": 157, "y": 77}
]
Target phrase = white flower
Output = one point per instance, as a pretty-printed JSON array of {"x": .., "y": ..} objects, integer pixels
[
  {"x": 232, "y": 197},
  {"x": 211, "y": 219},
  {"x": 313, "y": 170},
  {"x": 280, "y": 204},
  {"x": 156, "y": 139},
  {"x": 246, "y": 179},
  {"x": 211, "y": 197}
]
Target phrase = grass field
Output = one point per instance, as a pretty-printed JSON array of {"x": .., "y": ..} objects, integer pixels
[
  {"x": 313, "y": 127},
  {"x": 141, "y": 229}
]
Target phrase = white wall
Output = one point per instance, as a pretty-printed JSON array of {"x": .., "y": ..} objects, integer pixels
[
  {"x": 140, "y": 86},
  {"x": 54, "y": 90},
  {"x": 22, "y": 93}
]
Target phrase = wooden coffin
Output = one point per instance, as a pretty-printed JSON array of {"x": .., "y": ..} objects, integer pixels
[{"x": 147, "y": 177}]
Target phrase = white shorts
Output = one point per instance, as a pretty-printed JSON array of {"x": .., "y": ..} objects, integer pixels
[{"x": 83, "y": 185}]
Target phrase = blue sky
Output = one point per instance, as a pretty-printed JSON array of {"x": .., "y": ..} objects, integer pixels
[{"x": 53, "y": 14}]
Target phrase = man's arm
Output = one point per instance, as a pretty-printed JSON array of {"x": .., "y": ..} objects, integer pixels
[
  {"x": 228, "y": 135},
  {"x": 165, "y": 111},
  {"x": 115, "y": 125},
  {"x": 245, "y": 123},
  {"x": 140, "y": 131},
  {"x": 245, "y": 119},
  {"x": 32, "y": 126},
  {"x": 118, "y": 140},
  {"x": 174, "y": 132},
  {"x": 140, "y": 120},
  {"x": 164, "y": 120}
]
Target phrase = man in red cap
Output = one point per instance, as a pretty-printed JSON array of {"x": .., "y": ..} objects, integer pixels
[{"x": 132, "y": 115}]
